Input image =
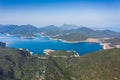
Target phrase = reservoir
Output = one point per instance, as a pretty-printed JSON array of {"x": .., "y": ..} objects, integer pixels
[{"x": 39, "y": 44}]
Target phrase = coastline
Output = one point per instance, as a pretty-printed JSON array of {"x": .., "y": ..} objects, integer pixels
[
  {"x": 94, "y": 40},
  {"x": 31, "y": 53},
  {"x": 91, "y": 40},
  {"x": 48, "y": 51},
  {"x": 7, "y": 43},
  {"x": 107, "y": 46}
]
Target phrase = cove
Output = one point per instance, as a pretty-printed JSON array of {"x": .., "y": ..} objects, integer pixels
[{"x": 39, "y": 44}]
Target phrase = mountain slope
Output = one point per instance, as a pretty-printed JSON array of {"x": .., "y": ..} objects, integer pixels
[
  {"x": 22, "y": 30},
  {"x": 51, "y": 30},
  {"x": 94, "y": 33},
  {"x": 103, "y": 65},
  {"x": 20, "y": 65},
  {"x": 71, "y": 37}
]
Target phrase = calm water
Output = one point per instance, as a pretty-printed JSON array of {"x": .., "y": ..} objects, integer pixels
[{"x": 39, "y": 44}]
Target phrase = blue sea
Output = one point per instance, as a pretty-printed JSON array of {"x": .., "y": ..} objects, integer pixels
[{"x": 39, "y": 44}]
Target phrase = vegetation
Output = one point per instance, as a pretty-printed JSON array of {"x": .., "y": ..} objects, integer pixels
[
  {"x": 50, "y": 30},
  {"x": 70, "y": 32},
  {"x": 23, "y": 30},
  {"x": 113, "y": 41},
  {"x": 72, "y": 37},
  {"x": 103, "y": 65},
  {"x": 2, "y": 45},
  {"x": 20, "y": 65},
  {"x": 60, "y": 53}
]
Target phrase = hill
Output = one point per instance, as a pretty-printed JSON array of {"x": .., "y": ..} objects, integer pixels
[
  {"x": 113, "y": 42},
  {"x": 65, "y": 32},
  {"x": 22, "y": 30},
  {"x": 68, "y": 27},
  {"x": 71, "y": 37},
  {"x": 84, "y": 33},
  {"x": 50, "y": 30},
  {"x": 20, "y": 65},
  {"x": 93, "y": 33},
  {"x": 2, "y": 45}
]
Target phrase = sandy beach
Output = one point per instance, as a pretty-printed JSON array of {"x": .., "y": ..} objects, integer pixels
[{"x": 93, "y": 40}]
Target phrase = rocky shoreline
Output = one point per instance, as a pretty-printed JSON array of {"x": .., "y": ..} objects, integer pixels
[{"x": 48, "y": 52}]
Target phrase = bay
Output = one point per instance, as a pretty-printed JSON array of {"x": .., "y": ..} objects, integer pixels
[{"x": 39, "y": 44}]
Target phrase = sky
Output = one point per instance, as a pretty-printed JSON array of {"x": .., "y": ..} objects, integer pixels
[{"x": 91, "y": 13}]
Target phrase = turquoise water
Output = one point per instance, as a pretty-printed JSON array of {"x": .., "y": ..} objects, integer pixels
[{"x": 39, "y": 44}]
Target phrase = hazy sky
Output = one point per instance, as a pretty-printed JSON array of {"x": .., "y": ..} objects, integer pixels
[{"x": 96, "y": 13}]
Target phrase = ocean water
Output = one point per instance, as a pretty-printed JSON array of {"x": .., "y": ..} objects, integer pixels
[{"x": 39, "y": 44}]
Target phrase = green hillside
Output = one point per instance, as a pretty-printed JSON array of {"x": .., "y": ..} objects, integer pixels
[
  {"x": 72, "y": 33},
  {"x": 19, "y": 30},
  {"x": 72, "y": 37},
  {"x": 103, "y": 65},
  {"x": 113, "y": 41},
  {"x": 20, "y": 65}
]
